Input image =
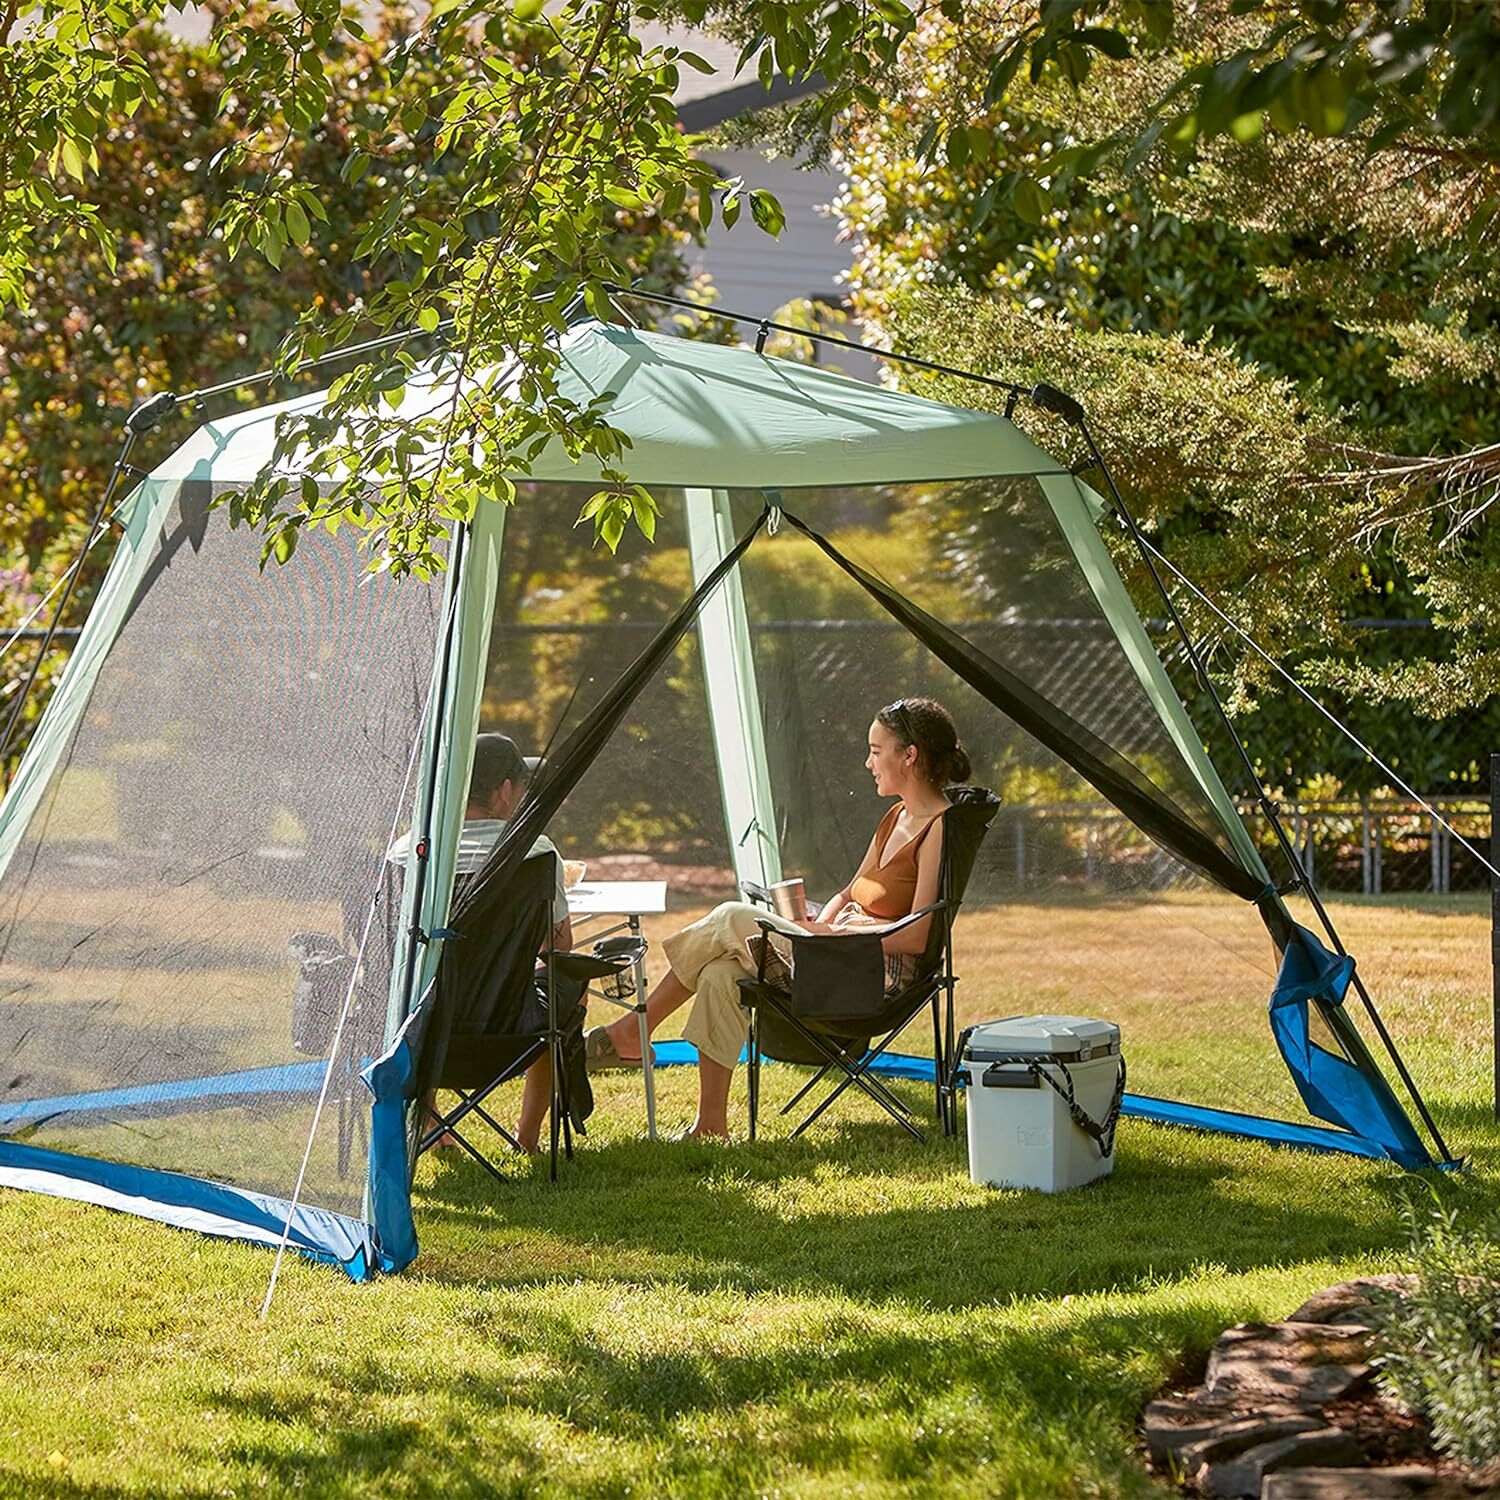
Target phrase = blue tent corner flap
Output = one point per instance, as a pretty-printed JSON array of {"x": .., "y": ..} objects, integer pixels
[
  {"x": 392, "y": 1079},
  {"x": 1332, "y": 1085}
]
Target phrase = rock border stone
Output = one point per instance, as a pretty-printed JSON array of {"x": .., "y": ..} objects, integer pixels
[{"x": 1259, "y": 1428}]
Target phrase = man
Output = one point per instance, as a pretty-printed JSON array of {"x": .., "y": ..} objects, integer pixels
[{"x": 495, "y": 791}]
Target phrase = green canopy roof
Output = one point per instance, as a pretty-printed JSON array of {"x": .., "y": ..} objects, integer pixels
[{"x": 699, "y": 414}]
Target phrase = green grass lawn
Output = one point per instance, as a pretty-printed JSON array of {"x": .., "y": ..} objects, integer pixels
[{"x": 845, "y": 1312}]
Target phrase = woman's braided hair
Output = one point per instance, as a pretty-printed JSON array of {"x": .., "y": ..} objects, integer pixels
[{"x": 929, "y": 726}]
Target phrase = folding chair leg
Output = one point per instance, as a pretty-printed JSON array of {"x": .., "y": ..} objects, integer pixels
[
  {"x": 950, "y": 1043},
  {"x": 497, "y": 1127},
  {"x": 554, "y": 1114},
  {"x": 806, "y": 1089},
  {"x": 560, "y": 1102},
  {"x": 879, "y": 1088},
  {"x": 648, "y": 1070},
  {"x": 753, "y": 1076},
  {"x": 861, "y": 1082},
  {"x": 480, "y": 1157},
  {"x": 939, "y": 1103},
  {"x": 860, "y": 1076},
  {"x": 446, "y": 1124},
  {"x": 872, "y": 1086}
]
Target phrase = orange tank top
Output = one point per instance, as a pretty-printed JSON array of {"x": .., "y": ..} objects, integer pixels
[{"x": 888, "y": 890}]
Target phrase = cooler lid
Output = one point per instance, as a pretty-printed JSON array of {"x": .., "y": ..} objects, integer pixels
[{"x": 1043, "y": 1036}]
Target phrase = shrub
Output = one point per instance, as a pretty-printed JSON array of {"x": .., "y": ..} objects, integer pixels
[{"x": 1440, "y": 1344}]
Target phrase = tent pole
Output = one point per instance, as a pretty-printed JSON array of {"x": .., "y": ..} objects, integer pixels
[
  {"x": 729, "y": 680},
  {"x": 1495, "y": 918},
  {"x": 303, "y": 367},
  {"x": 765, "y": 325},
  {"x": 415, "y": 934},
  {"x": 141, "y": 421},
  {"x": 1069, "y": 410}
]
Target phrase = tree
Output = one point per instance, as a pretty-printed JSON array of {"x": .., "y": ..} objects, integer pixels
[
  {"x": 153, "y": 299},
  {"x": 553, "y": 126},
  {"x": 1263, "y": 317},
  {"x": 550, "y": 125}
]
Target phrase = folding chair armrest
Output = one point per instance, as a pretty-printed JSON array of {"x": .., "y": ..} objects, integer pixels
[
  {"x": 922, "y": 911},
  {"x": 754, "y": 991},
  {"x": 885, "y": 929},
  {"x": 585, "y": 967},
  {"x": 758, "y": 895},
  {"x": 766, "y": 929},
  {"x": 621, "y": 951}
]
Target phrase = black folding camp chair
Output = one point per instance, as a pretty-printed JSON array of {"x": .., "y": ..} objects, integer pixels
[
  {"x": 514, "y": 998},
  {"x": 835, "y": 1013}
]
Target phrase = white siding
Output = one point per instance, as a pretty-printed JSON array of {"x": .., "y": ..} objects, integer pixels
[{"x": 752, "y": 273}]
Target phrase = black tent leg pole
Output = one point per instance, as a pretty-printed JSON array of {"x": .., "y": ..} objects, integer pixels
[
  {"x": 1495, "y": 919},
  {"x": 1075, "y": 415}
]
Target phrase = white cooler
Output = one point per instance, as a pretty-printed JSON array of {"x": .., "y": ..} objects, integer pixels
[{"x": 1021, "y": 1132}]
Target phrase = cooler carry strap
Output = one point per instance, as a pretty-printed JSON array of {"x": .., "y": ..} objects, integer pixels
[{"x": 1102, "y": 1131}]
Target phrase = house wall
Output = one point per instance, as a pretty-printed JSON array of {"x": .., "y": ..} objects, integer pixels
[{"x": 752, "y": 273}]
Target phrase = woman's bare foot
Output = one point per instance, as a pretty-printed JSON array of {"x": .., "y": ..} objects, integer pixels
[
  {"x": 626, "y": 1036},
  {"x": 701, "y": 1132},
  {"x": 532, "y": 1146}
]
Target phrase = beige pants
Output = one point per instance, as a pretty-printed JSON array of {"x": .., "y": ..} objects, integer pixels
[{"x": 709, "y": 959}]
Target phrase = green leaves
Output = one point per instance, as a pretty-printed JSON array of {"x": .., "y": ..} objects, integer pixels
[
  {"x": 297, "y": 228},
  {"x": 611, "y": 509},
  {"x": 1031, "y": 200},
  {"x": 72, "y": 158},
  {"x": 767, "y": 212}
]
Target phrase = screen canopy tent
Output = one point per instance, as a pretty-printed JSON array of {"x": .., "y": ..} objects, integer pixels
[{"x": 203, "y": 815}]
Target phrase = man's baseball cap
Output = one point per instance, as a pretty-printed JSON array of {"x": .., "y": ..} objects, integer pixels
[{"x": 497, "y": 758}]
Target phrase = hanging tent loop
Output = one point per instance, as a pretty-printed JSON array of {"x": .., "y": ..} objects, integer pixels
[
  {"x": 1046, "y": 397},
  {"x": 773, "y": 511}
]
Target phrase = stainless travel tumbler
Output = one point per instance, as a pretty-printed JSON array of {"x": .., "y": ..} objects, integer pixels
[{"x": 790, "y": 900}]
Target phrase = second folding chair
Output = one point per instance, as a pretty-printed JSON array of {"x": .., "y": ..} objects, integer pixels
[{"x": 514, "y": 1000}]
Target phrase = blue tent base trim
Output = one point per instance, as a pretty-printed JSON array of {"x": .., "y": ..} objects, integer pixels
[
  {"x": 192, "y": 1203},
  {"x": 170, "y": 1097},
  {"x": 1136, "y": 1106}
]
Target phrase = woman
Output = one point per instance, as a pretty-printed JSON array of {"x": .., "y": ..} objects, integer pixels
[{"x": 914, "y": 754}]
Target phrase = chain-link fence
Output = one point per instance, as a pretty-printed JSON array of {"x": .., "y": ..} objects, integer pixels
[
  {"x": 1353, "y": 831},
  {"x": 1058, "y": 835}
]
